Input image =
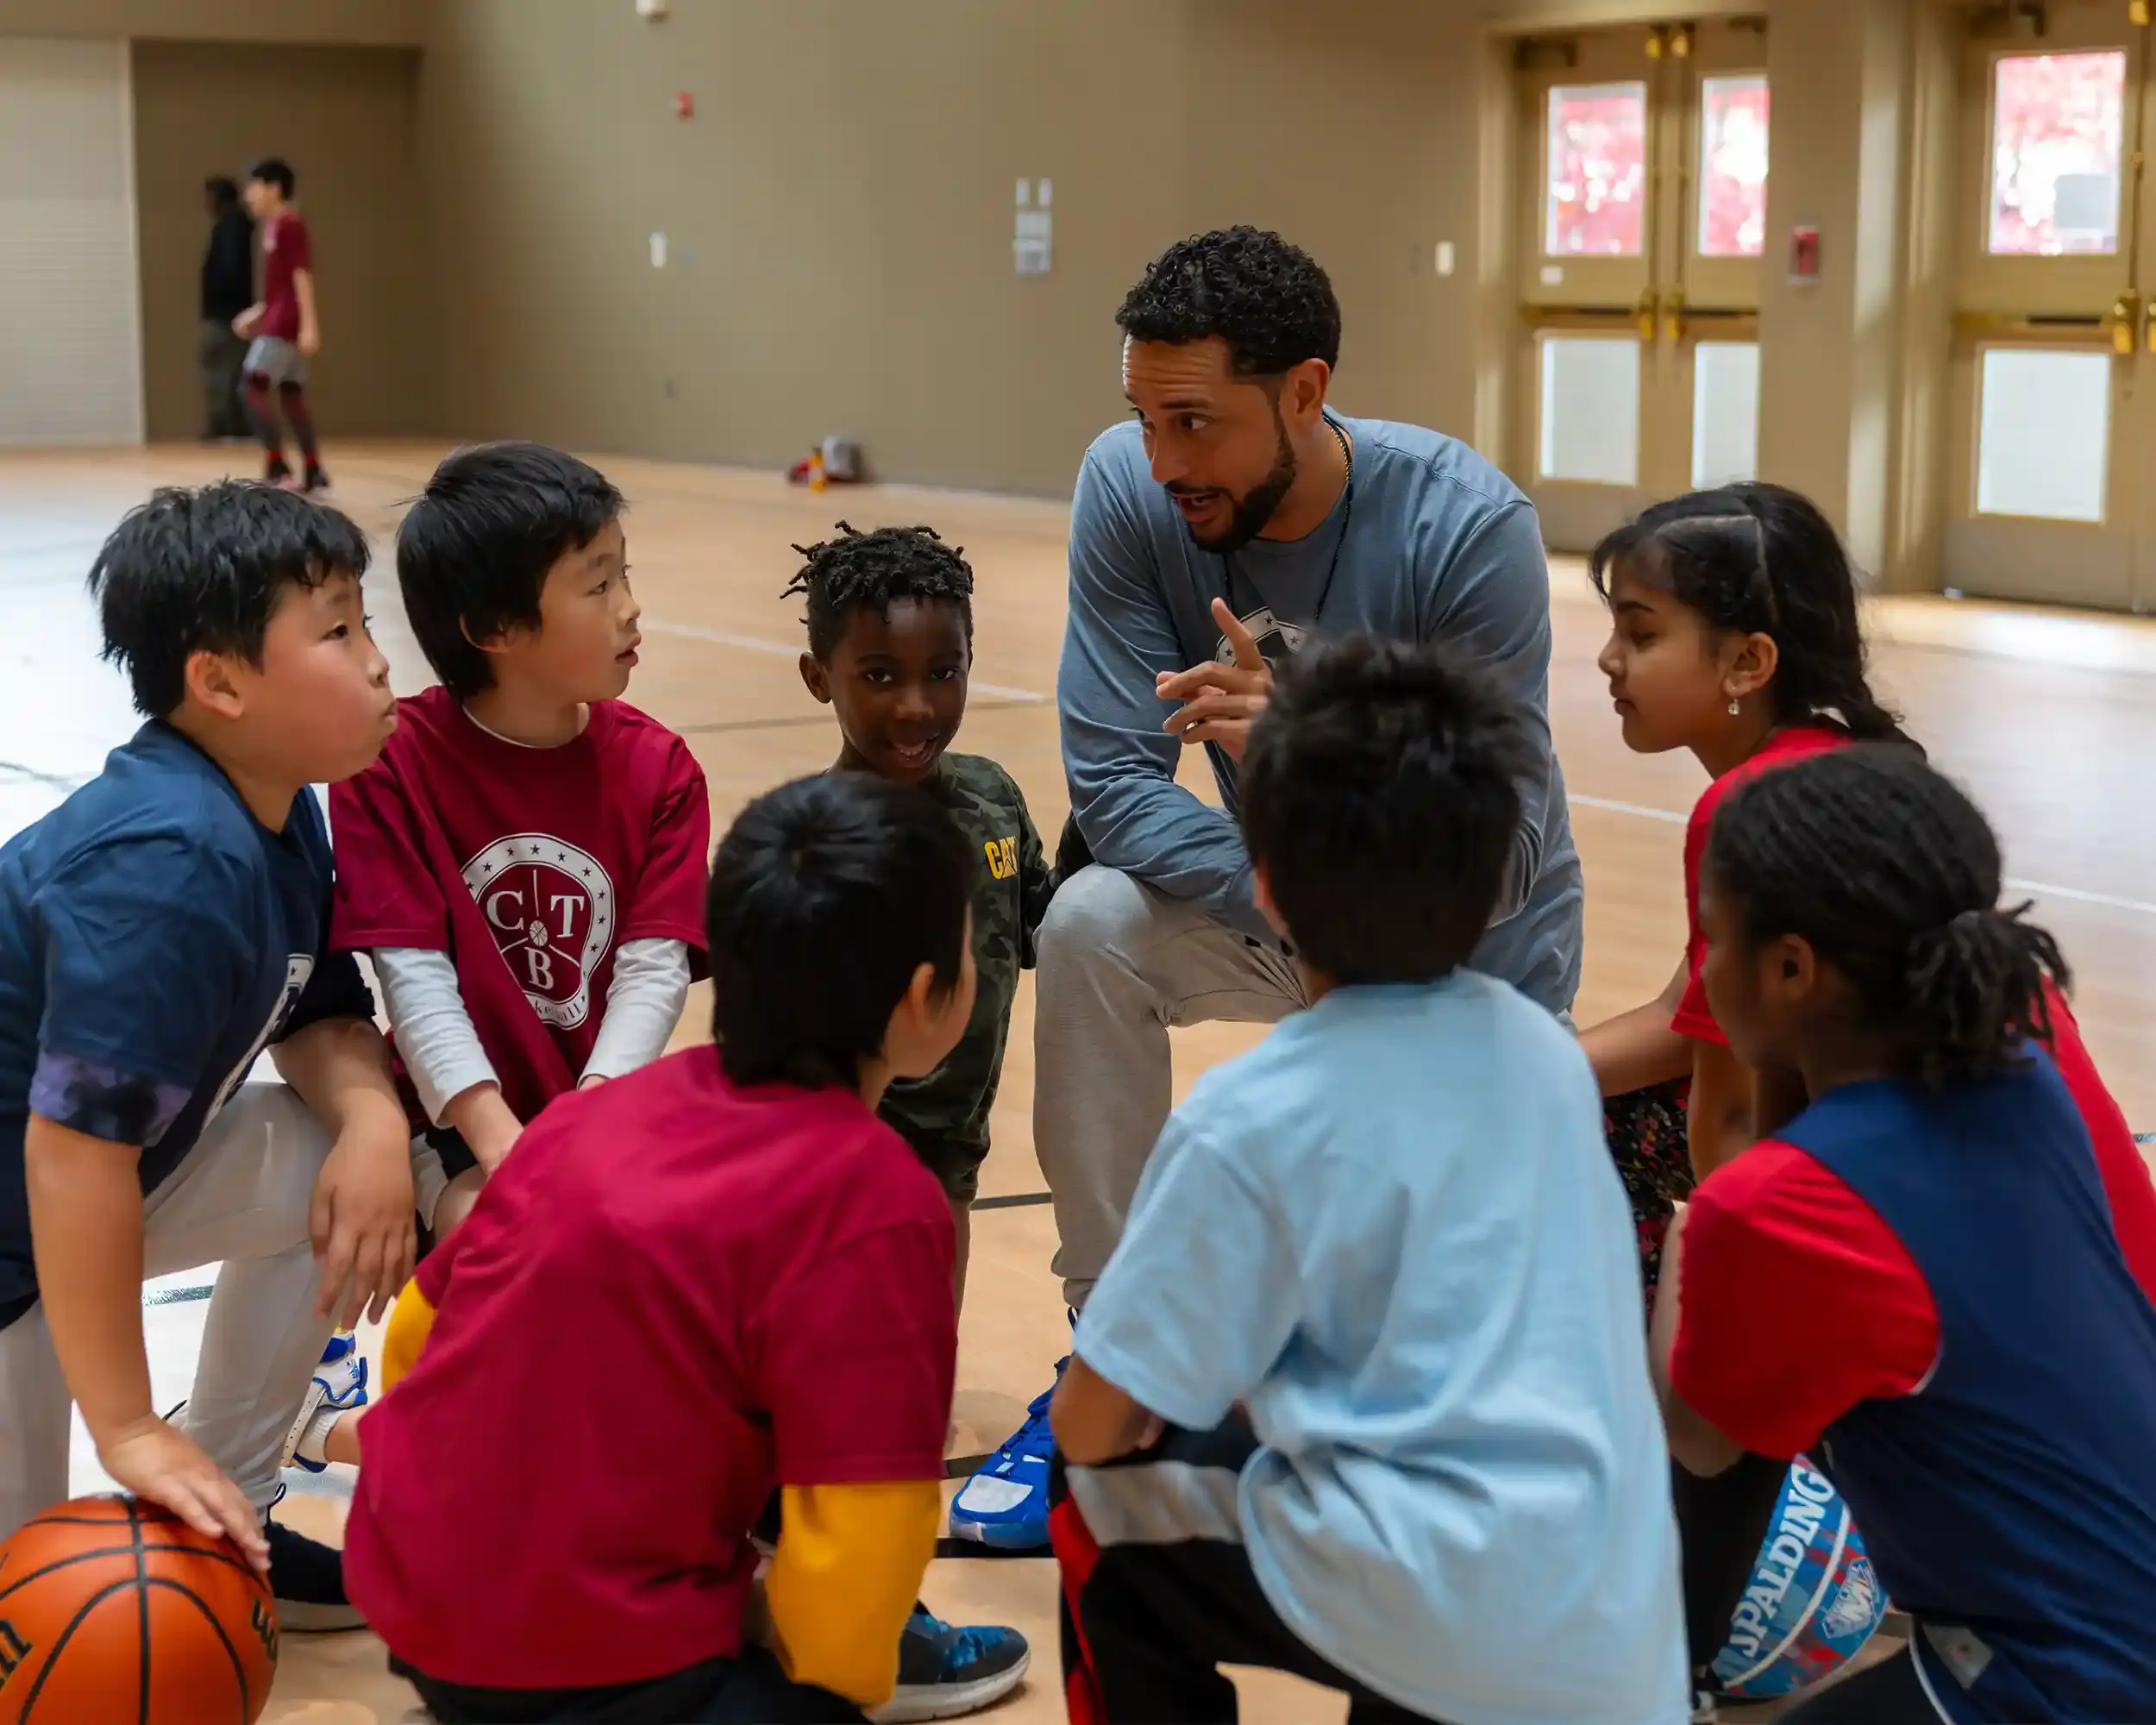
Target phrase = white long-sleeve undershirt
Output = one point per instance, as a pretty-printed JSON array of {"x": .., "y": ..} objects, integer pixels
[{"x": 441, "y": 1048}]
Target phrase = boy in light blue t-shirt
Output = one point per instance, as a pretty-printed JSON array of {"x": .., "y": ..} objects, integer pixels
[{"x": 1361, "y": 1395}]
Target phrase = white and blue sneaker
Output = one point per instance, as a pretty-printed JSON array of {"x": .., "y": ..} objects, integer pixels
[
  {"x": 338, "y": 1386},
  {"x": 945, "y": 1671},
  {"x": 1006, "y": 1503}
]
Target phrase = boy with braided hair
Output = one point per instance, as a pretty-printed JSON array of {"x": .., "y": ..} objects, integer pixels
[
  {"x": 890, "y": 627},
  {"x": 890, "y": 647}
]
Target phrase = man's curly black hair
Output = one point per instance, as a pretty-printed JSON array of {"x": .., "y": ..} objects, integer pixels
[
  {"x": 855, "y": 570},
  {"x": 1267, "y": 299}
]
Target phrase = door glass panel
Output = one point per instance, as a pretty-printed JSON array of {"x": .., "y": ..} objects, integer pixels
[
  {"x": 1725, "y": 413},
  {"x": 1596, "y": 190},
  {"x": 1590, "y": 409},
  {"x": 2057, "y": 125},
  {"x": 2044, "y": 433},
  {"x": 1732, "y": 167}
]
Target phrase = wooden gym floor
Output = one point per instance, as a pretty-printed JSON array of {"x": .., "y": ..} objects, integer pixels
[{"x": 2043, "y": 716}]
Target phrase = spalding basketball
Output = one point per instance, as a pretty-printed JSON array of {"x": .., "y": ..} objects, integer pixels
[
  {"x": 1812, "y": 1599},
  {"x": 114, "y": 1612}
]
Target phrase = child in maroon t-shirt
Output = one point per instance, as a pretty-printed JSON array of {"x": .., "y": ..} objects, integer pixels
[
  {"x": 281, "y": 328},
  {"x": 610, "y": 1377},
  {"x": 526, "y": 861}
]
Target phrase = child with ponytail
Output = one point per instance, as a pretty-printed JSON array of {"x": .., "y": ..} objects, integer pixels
[
  {"x": 1733, "y": 634},
  {"x": 1940, "y": 1277}
]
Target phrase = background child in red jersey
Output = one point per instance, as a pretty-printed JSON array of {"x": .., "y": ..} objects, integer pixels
[
  {"x": 766, "y": 1305},
  {"x": 526, "y": 863},
  {"x": 283, "y": 328}
]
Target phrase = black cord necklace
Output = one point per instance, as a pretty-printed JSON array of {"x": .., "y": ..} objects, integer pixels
[{"x": 1332, "y": 567}]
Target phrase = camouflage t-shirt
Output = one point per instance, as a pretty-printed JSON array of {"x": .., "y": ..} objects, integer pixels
[{"x": 944, "y": 1116}]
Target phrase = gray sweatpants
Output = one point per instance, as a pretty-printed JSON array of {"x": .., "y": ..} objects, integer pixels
[
  {"x": 1118, "y": 963},
  {"x": 241, "y": 1196}
]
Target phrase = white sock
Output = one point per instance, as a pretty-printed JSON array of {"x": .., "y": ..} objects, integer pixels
[{"x": 314, "y": 1441}]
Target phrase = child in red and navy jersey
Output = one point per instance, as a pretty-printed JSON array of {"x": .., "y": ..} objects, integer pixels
[
  {"x": 766, "y": 1305},
  {"x": 1939, "y": 1278},
  {"x": 526, "y": 865},
  {"x": 1734, "y": 635}
]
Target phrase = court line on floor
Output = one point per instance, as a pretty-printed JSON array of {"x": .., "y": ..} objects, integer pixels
[
  {"x": 2042, "y": 890},
  {"x": 756, "y": 644},
  {"x": 1014, "y": 1201}
]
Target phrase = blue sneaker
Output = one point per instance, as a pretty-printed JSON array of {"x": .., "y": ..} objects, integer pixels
[
  {"x": 1006, "y": 1503},
  {"x": 338, "y": 1386},
  {"x": 945, "y": 1670}
]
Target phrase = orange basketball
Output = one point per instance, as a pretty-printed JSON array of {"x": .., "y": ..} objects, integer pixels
[{"x": 115, "y": 1612}]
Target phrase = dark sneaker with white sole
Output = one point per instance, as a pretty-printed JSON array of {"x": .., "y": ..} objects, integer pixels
[{"x": 946, "y": 1671}]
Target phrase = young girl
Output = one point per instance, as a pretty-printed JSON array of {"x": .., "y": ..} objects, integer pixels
[
  {"x": 1734, "y": 635},
  {"x": 1961, "y": 1252}
]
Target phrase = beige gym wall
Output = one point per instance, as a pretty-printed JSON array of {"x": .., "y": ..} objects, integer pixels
[
  {"x": 839, "y": 212},
  {"x": 344, "y": 117}
]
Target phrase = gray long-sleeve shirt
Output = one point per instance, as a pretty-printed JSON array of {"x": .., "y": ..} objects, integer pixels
[{"x": 1439, "y": 546}]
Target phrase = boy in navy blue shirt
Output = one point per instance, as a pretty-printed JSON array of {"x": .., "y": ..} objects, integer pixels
[{"x": 158, "y": 932}]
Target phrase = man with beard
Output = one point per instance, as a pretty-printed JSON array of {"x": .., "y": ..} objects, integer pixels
[{"x": 1234, "y": 516}]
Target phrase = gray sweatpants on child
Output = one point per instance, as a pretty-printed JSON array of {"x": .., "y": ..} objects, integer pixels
[
  {"x": 241, "y": 1197},
  {"x": 1119, "y": 963}
]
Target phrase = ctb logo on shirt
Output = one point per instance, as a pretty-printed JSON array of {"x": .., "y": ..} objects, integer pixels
[{"x": 550, "y": 908}]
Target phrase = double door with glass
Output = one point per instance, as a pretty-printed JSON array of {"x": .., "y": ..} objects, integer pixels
[
  {"x": 2052, "y": 481},
  {"x": 1645, "y": 158}
]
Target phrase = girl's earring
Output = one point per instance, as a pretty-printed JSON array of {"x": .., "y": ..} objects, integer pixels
[{"x": 1736, "y": 707}]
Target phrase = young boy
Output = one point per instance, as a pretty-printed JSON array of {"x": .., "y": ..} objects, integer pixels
[
  {"x": 1389, "y": 1249},
  {"x": 158, "y": 932},
  {"x": 526, "y": 860},
  {"x": 282, "y": 329},
  {"x": 766, "y": 1305},
  {"x": 890, "y": 630}
]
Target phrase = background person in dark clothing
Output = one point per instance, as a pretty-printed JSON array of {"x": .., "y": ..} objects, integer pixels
[{"x": 227, "y": 289}]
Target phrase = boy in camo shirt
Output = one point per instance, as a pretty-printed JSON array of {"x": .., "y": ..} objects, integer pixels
[
  {"x": 890, "y": 632},
  {"x": 890, "y": 627}
]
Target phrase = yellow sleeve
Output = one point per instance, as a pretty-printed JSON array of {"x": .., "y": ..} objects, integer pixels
[
  {"x": 411, "y": 1322},
  {"x": 847, "y": 1573}
]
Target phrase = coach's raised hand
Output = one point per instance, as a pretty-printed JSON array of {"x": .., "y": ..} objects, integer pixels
[{"x": 1220, "y": 701}]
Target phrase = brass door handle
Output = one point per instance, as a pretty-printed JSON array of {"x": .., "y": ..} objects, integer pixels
[
  {"x": 2125, "y": 325},
  {"x": 1647, "y": 314}
]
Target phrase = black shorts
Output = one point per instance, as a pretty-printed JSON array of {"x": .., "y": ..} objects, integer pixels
[{"x": 751, "y": 1690}]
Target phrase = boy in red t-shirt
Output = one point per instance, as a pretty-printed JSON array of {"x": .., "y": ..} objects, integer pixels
[
  {"x": 281, "y": 328},
  {"x": 766, "y": 1306},
  {"x": 526, "y": 865}
]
